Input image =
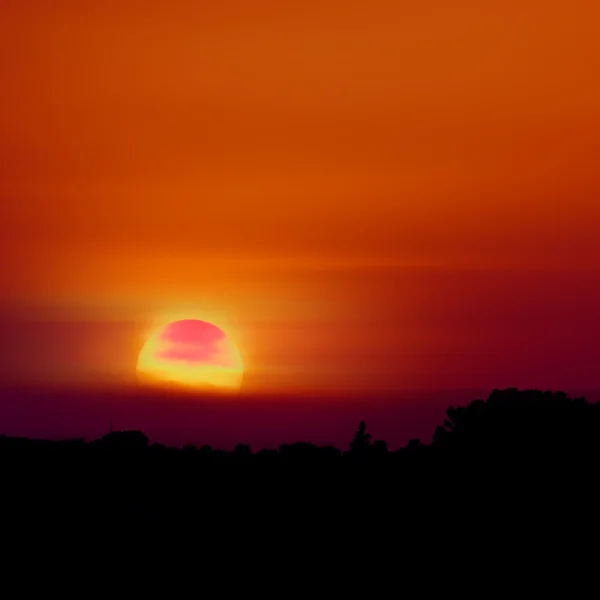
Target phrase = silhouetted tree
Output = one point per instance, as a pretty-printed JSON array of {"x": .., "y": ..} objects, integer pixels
[
  {"x": 362, "y": 439},
  {"x": 242, "y": 454},
  {"x": 242, "y": 450},
  {"x": 125, "y": 440}
]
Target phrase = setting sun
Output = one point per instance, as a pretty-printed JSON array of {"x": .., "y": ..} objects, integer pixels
[{"x": 191, "y": 353}]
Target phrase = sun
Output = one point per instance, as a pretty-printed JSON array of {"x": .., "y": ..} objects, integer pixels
[{"x": 191, "y": 353}]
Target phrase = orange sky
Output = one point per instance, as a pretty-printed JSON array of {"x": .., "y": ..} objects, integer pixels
[{"x": 351, "y": 186}]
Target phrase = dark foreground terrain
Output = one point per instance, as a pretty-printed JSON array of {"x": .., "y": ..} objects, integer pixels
[{"x": 514, "y": 476}]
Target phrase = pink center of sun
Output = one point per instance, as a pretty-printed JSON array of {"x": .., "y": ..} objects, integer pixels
[{"x": 195, "y": 342}]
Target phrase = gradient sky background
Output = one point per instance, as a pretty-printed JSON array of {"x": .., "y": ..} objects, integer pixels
[{"x": 369, "y": 196}]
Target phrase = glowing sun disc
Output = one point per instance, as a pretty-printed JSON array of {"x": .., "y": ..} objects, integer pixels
[{"x": 192, "y": 353}]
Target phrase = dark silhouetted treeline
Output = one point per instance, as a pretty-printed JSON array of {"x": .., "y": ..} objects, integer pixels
[
  {"x": 520, "y": 462},
  {"x": 510, "y": 425}
]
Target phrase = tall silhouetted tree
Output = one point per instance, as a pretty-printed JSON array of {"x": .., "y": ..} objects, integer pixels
[{"x": 362, "y": 440}]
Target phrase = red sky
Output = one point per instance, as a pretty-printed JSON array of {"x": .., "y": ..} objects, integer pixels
[{"x": 367, "y": 195}]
